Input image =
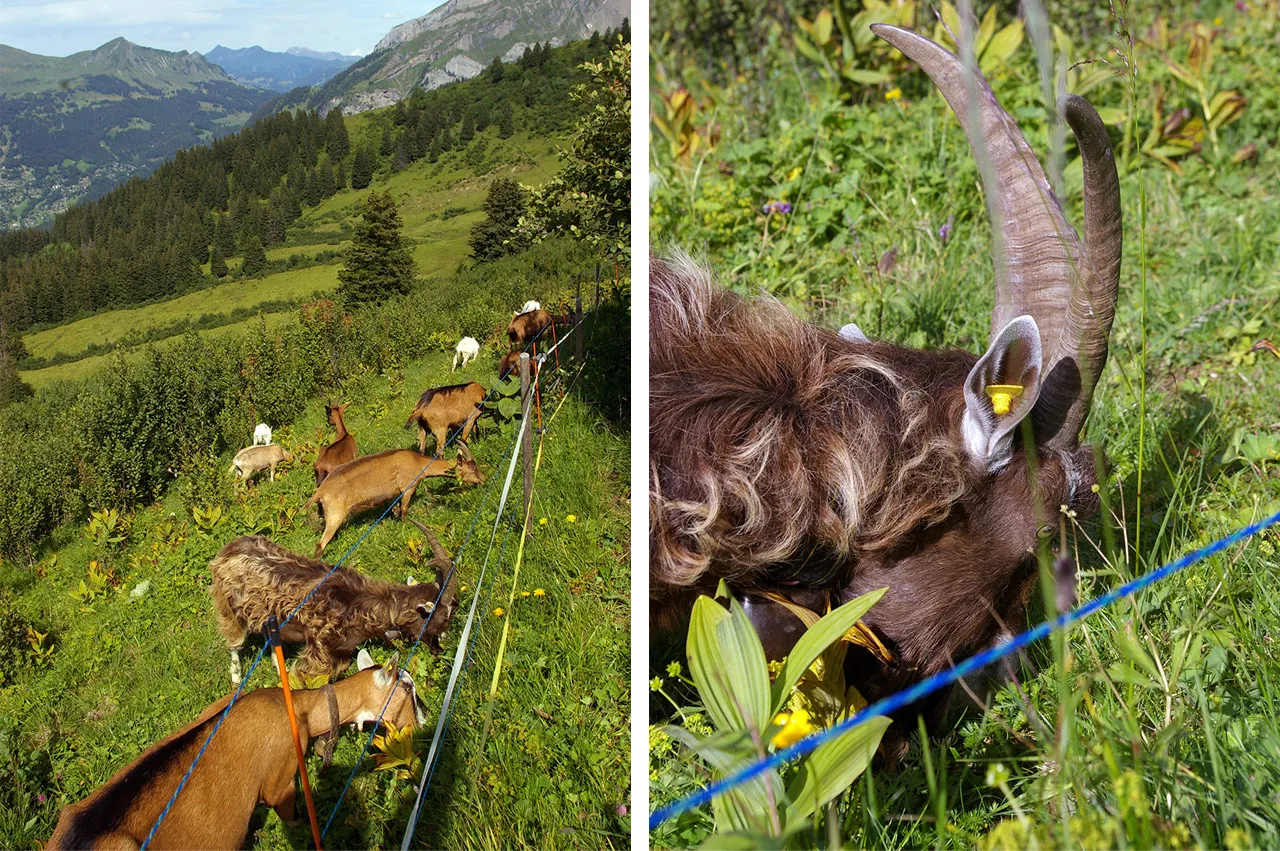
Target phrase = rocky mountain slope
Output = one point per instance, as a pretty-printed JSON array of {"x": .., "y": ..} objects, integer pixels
[{"x": 456, "y": 41}]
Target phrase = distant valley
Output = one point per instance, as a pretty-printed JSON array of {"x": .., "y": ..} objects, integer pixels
[
  {"x": 73, "y": 127},
  {"x": 279, "y": 72}
]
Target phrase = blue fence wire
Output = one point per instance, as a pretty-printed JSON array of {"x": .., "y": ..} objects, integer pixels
[
  {"x": 901, "y": 699},
  {"x": 236, "y": 696}
]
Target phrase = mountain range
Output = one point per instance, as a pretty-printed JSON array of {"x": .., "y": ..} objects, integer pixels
[
  {"x": 278, "y": 72},
  {"x": 456, "y": 41}
]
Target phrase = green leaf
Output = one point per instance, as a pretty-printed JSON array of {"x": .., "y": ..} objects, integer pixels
[
  {"x": 806, "y": 49},
  {"x": 833, "y": 766},
  {"x": 1002, "y": 45},
  {"x": 816, "y": 639},
  {"x": 1133, "y": 651},
  {"x": 726, "y": 661},
  {"x": 822, "y": 26},
  {"x": 866, "y": 77}
]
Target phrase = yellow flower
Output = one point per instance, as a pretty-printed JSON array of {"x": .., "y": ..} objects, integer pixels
[
  {"x": 524, "y": 593},
  {"x": 571, "y": 518},
  {"x": 893, "y": 94},
  {"x": 538, "y": 592},
  {"x": 542, "y": 521},
  {"x": 1217, "y": 22},
  {"x": 795, "y": 726},
  {"x": 794, "y": 173},
  {"x": 462, "y": 588},
  {"x": 499, "y": 612}
]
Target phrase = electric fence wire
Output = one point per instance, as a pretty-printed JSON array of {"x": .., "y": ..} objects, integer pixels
[
  {"x": 240, "y": 688},
  {"x": 898, "y": 700}
]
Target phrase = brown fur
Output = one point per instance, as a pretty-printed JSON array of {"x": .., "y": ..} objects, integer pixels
[
  {"x": 255, "y": 578},
  {"x": 527, "y": 326},
  {"x": 250, "y": 761},
  {"x": 342, "y": 450},
  {"x": 254, "y": 459},
  {"x": 443, "y": 408},
  {"x": 811, "y": 461},
  {"x": 375, "y": 480}
]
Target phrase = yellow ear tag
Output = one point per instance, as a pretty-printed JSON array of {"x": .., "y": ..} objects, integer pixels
[{"x": 1001, "y": 395}]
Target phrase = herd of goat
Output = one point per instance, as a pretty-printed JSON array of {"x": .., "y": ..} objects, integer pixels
[{"x": 255, "y": 581}]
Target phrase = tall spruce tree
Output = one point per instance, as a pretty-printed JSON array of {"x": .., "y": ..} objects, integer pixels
[
  {"x": 255, "y": 258},
  {"x": 362, "y": 168},
  {"x": 496, "y": 235},
  {"x": 336, "y": 141},
  {"x": 506, "y": 122},
  {"x": 377, "y": 264}
]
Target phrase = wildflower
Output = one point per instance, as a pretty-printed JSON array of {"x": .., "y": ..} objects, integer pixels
[
  {"x": 538, "y": 592},
  {"x": 499, "y": 612},
  {"x": 542, "y": 521},
  {"x": 40, "y": 797},
  {"x": 944, "y": 232},
  {"x": 674, "y": 669},
  {"x": 571, "y": 518},
  {"x": 783, "y": 207},
  {"x": 621, "y": 810},
  {"x": 893, "y": 94},
  {"x": 655, "y": 683},
  {"x": 462, "y": 587},
  {"x": 524, "y": 593},
  {"x": 1217, "y": 22},
  {"x": 1242, "y": 6},
  {"x": 795, "y": 726},
  {"x": 794, "y": 173}
]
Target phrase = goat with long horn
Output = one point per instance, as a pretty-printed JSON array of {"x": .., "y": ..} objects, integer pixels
[{"x": 821, "y": 466}]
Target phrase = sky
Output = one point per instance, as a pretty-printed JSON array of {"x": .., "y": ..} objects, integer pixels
[{"x": 63, "y": 27}]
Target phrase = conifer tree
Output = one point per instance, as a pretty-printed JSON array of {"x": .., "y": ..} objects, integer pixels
[
  {"x": 255, "y": 258},
  {"x": 336, "y": 141},
  {"x": 387, "y": 147},
  {"x": 468, "y": 131},
  {"x": 506, "y": 122},
  {"x": 496, "y": 235},
  {"x": 362, "y": 168},
  {"x": 218, "y": 264},
  {"x": 377, "y": 264}
]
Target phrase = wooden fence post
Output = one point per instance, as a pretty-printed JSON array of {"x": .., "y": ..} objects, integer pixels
[
  {"x": 526, "y": 424},
  {"x": 577, "y": 318}
]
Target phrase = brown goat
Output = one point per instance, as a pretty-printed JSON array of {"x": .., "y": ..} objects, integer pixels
[
  {"x": 375, "y": 480},
  {"x": 443, "y": 408},
  {"x": 255, "y": 578},
  {"x": 250, "y": 761},
  {"x": 342, "y": 450},
  {"x": 254, "y": 459},
  {"x": 527, "y": 326},
  {"x": 817, "y": 462}
]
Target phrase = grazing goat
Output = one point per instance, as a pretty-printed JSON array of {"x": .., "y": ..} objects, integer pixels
[
  {"x": 250, "y": 761},
  {"x": 527, "y": 326},
  {"x": 528, "y": 306},
  {"x": 443, "y": 408},
  {"x": 510, "y": 365},
  {"x": 813, "y": 461},
  {"x": 467, "y": 350},
  {"x": 254, "y": 459},
  {"x": 438, "y": 625},
  {"x": 262, "y": 434},
  {"x": 342, "y": 450},
  {"x": 375, "y": 480},
  {"x": 255, "y": 578}
]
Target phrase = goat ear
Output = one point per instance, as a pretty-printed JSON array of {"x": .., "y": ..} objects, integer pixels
[
  {"x": 1001, "y": 389},
  {"x": 424, "y": 609},
  {"x": 853, "y": 333},
  {"x": 410, "y": 581},
  {"x": 364, "y": 660}
]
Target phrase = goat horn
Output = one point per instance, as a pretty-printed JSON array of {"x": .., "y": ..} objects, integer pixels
[
  {"x": 1041, "y": 268},
  {"x": 441, "y": 554}
]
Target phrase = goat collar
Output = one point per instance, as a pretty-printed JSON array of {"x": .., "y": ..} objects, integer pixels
[{"x": 329, "y": 738}]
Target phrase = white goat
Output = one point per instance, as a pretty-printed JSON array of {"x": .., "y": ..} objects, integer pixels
[
  {"x": 467, "y": 350},
  {"x": 530, "y": 305},
  {"x": 262, "y": 434}
]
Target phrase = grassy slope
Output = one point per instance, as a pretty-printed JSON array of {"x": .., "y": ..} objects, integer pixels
[
  {"x": 423, "y": 191},
  {"x": 554, "y": 767},
  {"x": 1172, "y": 739}
]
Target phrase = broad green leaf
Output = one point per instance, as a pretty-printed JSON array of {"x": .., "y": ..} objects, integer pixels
[
  {"x": 818, "y": 638},
  {"x": 950, "y": 20},
  {"x": 865, "y": 77},
  {"x": 985, "y": 30},
  {"x": 833, "y": 766},
  {"x": 1225, "y": 108},
  {"x": 1132, "y": 650},
  {"x": 1111, "y": 115},
  {"x": 1002, "y": 45},
  {"x": 806, "y": 49},
  {"x": 744, "y": 807},
  {"x": 822, "y": 26},
  {"x": 728, "y": 666}
]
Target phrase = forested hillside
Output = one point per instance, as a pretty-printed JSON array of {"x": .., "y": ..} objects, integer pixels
[{"x": 173, "y": 232}]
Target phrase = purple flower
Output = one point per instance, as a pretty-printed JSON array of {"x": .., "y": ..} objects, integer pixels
[
  {"x": 40, "y": 797},
  {"x": 1242, "y": 6},
  {"x": 944, "y": 232},
  {"x": 777, "y": 207},
  {"x": 621, "y": 810}
]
